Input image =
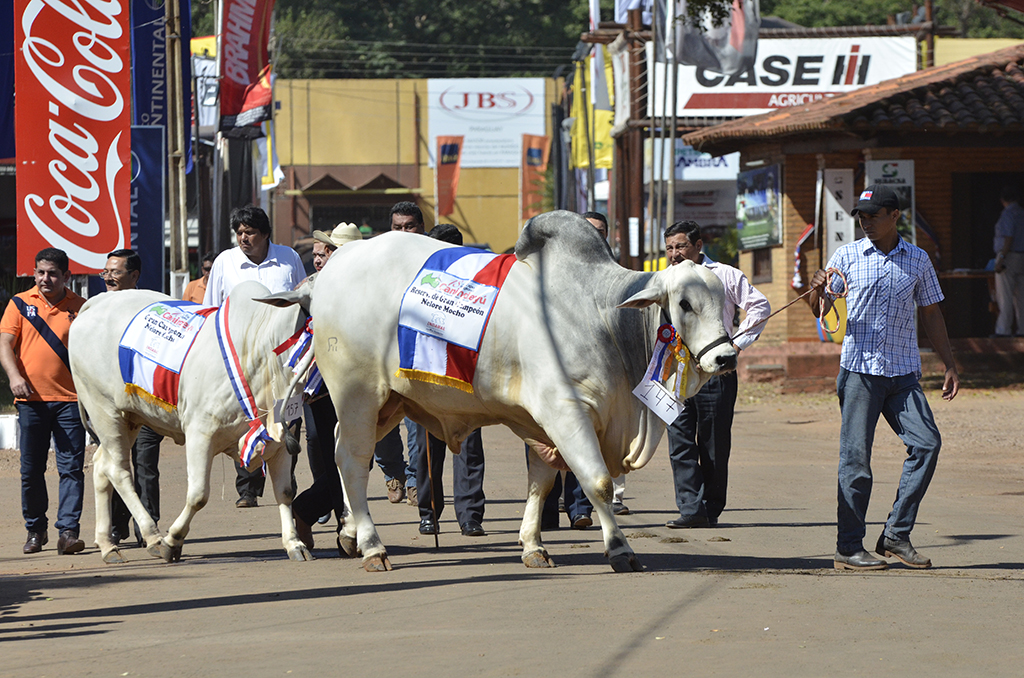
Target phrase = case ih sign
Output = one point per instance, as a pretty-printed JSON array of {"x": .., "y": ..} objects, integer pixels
[
  {"x": 792, "y": 72},
  {"x": 72, "y": 125}
]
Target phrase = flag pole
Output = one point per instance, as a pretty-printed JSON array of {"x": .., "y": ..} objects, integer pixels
[{"x": 670, "y": 208}]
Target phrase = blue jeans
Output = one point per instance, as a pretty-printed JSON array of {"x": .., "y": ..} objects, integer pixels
[
  {"x": 390, "y": 458},
  {"x": 862, "y": 397},
  {"x": 38, "y": 421}
]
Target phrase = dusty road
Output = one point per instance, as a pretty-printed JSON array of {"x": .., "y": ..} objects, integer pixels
[{"x": 755, "y": 596}]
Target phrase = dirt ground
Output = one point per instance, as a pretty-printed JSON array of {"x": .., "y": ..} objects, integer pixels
[{"x": 755, "y": 596}]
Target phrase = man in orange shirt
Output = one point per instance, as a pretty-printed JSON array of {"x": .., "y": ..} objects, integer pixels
[
  {"x": 196, "y": 290},
  {"x": 33, "y": 352}
]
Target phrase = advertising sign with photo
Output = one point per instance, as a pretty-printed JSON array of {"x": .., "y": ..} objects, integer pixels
[
  {"x": 899, "y": 176},
  {"x": 759, "y": 207},
  {"x": 492, "y": 114}
]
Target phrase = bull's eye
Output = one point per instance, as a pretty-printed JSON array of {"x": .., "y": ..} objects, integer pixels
[{"x": 685, "y": 305}]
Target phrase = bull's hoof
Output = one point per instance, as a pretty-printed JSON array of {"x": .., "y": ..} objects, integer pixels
[
  {"x": 538, "y": 558},
  {"x": 170, "y": 554},
  {"x": 376, "y": 563},
  {"x": 626, "y": 562},
  {"x": 347, "y": 547},
  {"x": 114, "y": 557},
  {"x": 299, "y": 553},
  {"x": 154, "y": 549}
]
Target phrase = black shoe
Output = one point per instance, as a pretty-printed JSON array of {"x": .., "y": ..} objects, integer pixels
[
  {"x": 903, "y": 551},
  {"x": 473, "y": 529},
  {"x": 689, "y": 521},
  {"x": 427, "y": 526},
  {"x": 581, "y": 522},
  {"x": 69, "y": 543},
  {"x": 246, "y": 501},
  {"x": 35, "y": 541},
  {"x": 620, "y": 509},
  {"x": 861, "y": 560}
]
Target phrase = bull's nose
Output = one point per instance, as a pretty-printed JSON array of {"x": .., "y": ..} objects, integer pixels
[{"x": 726, "y": 362}]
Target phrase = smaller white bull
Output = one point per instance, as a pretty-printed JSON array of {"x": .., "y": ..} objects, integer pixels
[{"x": 207, "y": 418}]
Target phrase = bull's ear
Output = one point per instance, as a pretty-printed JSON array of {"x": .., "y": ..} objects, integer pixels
[
  {"x": 302, "y": 296},
  {"x": 642, "y": 299}
]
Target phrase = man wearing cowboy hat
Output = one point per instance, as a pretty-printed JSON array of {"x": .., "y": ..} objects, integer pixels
[
  {"x": 317, "y": 502},
  {"x": 327, "y": 243}
]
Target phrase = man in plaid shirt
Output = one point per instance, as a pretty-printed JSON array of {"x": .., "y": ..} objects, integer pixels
[{"x": 880, "y": 366}]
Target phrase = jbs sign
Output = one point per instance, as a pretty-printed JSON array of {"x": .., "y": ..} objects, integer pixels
[
  {"x": 792, "y": 73},
  {"x": 72, "y": 77}
]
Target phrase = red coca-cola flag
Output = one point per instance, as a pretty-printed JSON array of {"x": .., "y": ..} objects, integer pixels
[
  {"x": 245, "y": 94},
  {"x": 72, "y": 124},
  {"x": 449, "y": 159}
]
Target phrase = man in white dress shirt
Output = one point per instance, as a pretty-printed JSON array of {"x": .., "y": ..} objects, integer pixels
[
  {"x": 277, "y": 267},
  {"x": 700, "y": 439}
]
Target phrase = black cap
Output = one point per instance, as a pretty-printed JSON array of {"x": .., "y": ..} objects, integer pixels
[{"x": 874, "y": 198}]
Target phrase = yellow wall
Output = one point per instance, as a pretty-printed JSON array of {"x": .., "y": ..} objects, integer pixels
[
  {"x": 948, "y": 50},
  {"x": 386, "y": 122}
]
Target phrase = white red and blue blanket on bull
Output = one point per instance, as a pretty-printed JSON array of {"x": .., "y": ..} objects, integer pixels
[
  {"x": 153, "y": 348},
  {"x": 444, "y": 314}
]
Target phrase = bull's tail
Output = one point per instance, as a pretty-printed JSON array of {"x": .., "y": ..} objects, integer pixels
[{"x": 84, "y": 416}]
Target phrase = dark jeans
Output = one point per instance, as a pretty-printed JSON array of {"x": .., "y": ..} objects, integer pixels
[
  {"x": 325, "y": 494},
  {"x": 145, "y": 459},
  {"x": 862, "y": 398},
  {"x": 699, "y": 442},
  {"x": 576, "y": 502},
  {"x": 38, "y": 421},
  {"x": 390, "y": 458},
  {"x": 467, "y": 479}
]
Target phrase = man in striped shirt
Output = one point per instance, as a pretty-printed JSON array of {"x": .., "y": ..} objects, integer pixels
[{"x": 888, "y": 280}]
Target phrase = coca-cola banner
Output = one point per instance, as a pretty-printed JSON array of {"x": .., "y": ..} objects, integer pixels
[
  {"x": 72, "y": 124},
  {"x": 245, "y": 95}
]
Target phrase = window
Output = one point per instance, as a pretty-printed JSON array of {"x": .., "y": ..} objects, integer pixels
[{"x": 762, "y": 266}]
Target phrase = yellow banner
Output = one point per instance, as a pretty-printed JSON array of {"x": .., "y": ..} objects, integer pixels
[{"x": 599, "y": 122}]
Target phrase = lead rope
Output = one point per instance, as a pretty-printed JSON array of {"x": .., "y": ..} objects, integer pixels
[{"x": 830, "y": 274}]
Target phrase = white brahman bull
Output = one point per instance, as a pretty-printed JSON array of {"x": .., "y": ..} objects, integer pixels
[
  {"x": 208, "y": 418},
  {"x": 561, "y": 354}
]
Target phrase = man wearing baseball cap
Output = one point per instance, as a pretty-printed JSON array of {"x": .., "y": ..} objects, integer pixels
[{"x": 888, "y": 279}]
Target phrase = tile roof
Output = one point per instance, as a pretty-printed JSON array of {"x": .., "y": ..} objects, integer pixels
[{"x": 982, "y": 94}]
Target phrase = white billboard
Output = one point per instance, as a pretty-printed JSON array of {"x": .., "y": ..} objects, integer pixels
[
  {"x": 491, "y": 114},
  {"x": 787, "y": 72}
]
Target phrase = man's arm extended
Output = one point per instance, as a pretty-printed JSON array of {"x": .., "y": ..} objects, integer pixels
[{"x": 935, "y": 328}]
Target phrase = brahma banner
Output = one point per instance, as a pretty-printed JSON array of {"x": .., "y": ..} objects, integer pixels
[
  {"x": 245, "y": 95},
  {"x": 72, "y": 122}
]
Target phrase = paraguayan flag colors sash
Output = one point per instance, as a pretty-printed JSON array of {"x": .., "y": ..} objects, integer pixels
[
  {"x": 444, "y": 314},
  {"x": 153, "y": 348}
]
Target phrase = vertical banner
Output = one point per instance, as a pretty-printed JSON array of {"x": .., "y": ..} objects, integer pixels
[
  {"x": 149, "y": 67},
  {"x": 147, "y": 203},
  {"x": 245, "y": 95},
  {"x": 72, "y": 121},
  {"x": 840, "y": 228},
  {"x": 899, "y": 176},
  {"x": 536, "y": 150},
  {"x": 449, "y": 153}
]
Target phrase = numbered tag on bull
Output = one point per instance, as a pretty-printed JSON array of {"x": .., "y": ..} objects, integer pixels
[
  {"x": 287, "y": 412},
  {"x": 661, "y": 401}
]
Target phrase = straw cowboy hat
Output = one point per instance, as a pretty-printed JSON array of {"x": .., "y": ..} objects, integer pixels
[{"x": 342, "y": 233}]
